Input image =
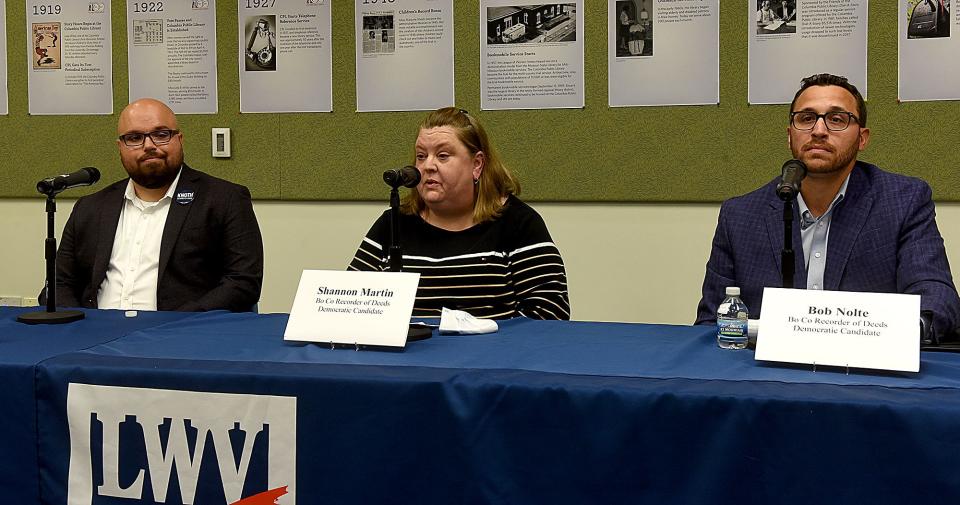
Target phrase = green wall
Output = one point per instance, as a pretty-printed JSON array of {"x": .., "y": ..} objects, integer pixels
[{"x": 648, "y": 154}]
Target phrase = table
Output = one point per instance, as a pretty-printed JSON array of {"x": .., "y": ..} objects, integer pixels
[{"x": 541, "y": 412}]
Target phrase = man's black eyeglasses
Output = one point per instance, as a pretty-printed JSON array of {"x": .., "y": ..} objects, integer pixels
[
  {"x": 834, "y": 121},
  {"x": 158, "y": 137}
]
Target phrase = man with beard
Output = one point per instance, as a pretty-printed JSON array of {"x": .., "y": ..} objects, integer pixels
[
  {"x": 168, "y": 238},
  {"x": 860, "y": 228}
]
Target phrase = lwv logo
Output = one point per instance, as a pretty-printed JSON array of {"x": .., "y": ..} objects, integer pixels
[{"x": 165, "y": 418}]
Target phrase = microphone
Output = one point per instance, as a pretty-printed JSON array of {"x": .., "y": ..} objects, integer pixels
[
  {"x": 407, "y": 177},
  {"x": 793, "y": 173},
  {"x": 83, "y": 177}
]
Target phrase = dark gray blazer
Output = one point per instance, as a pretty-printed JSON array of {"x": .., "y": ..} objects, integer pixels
[{"x": 211, "y": 252}]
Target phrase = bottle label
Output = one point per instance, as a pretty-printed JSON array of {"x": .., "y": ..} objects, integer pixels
[{"x": 732, "y": 328}]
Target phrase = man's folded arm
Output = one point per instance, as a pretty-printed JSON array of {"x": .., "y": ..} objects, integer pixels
[
  {"x": 923, "y": 268},
  {"x": 239, "y": 287}
]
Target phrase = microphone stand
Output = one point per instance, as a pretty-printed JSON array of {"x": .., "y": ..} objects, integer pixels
[
  {"x": 396, "y": 255},
  {"x": 51, "y": 315},
  {"x": 414, "y": 332},
  {"x": 792, "y": 174},
  {"x": 787, "y": 264}
]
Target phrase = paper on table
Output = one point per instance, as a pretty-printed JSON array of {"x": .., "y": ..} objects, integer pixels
[{"x": 458, "y": 321}]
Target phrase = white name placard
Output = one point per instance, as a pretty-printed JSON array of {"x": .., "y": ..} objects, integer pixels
[
  {"x": 859, "y": 330},
  {"x": 366, "y": 308}
]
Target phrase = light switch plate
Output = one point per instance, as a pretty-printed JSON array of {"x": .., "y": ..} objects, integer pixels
[{"x": 220, "y": 139}]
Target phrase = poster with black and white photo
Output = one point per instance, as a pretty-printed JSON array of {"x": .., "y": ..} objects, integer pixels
[
  {"x": 393, "y": 40},
  {"x": 792, "y": 39},
  {"x": 531, "y": 55},
  {"x": 69, "y": 66},
  {"x": 172, "y": 53},
  {"x": 663, "y": 52},
  {"x": 286, "y": 62},
  {"x": 927, "y": 48},
  {"x": 3, "y": 60}
]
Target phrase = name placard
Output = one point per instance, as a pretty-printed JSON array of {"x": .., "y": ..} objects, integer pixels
[
  {"x": 839, "y": 328},
  {"x": 365, "y": 308}
]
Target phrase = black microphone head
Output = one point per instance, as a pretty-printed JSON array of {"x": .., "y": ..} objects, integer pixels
[
  {"x": 792, "y": 174},
  {"x": 407, "y": 176},
  {"x": 392, "y": 178},
  {"x": 94, "y": 174},
  {"x": 410, "y": 175},
  {"x": 83, "y": 177},
  {"x": 45, "y": 186},
  {"x": 791, "y": 167}
]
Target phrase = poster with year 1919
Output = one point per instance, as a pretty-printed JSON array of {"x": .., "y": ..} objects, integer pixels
[{"x": 69, "y": 66}]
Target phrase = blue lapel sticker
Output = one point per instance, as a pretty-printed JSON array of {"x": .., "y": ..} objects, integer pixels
[{"x": 184, "y": 197}]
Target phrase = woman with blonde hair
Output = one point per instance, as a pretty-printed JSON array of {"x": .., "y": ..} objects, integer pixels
[{"x": 477, "y": 247}]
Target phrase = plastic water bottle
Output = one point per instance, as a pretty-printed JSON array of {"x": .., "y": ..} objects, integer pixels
[{"x": 732, "y": 321}]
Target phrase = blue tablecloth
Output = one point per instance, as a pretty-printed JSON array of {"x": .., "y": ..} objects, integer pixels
[
  {"x": 580, "y": 348},
  {"x": 22, "y": 347},
  {"x": 541, "y": 412}
]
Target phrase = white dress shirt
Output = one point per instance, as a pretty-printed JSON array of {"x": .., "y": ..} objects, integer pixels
[{"x": 131, "y": 281}]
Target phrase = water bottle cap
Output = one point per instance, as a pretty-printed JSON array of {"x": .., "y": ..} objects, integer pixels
[{"x": 733, "y": 291}]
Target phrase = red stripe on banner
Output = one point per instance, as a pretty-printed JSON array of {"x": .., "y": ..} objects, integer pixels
[{"x": 268, "y": 497}]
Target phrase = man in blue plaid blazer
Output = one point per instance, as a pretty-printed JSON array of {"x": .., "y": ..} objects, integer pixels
[{"x": 859, "y": 228}]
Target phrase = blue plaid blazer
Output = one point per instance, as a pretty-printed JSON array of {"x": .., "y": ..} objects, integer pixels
[{"x": 883, "y": 238}]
